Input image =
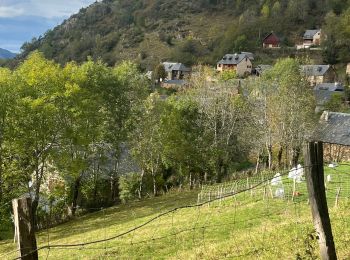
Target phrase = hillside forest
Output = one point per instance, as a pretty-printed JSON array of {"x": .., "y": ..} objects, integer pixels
[{"x": 150, "y": 31}]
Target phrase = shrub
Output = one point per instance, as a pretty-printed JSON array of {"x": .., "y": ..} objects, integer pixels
[
  {"x": 128, "y": 186},
  {"x": 227, "y": 75}
]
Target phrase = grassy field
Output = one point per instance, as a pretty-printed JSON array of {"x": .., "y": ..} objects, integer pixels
[{"x": 246, "y": 226}]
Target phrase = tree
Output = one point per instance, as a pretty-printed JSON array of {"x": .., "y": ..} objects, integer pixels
[
  {"x": 265, "y": 11},
  {"x": 336, "y": 46},
  {"x": 337, "y": 104},
  {"x": 122, "y": 98},
  {"x": 240, "y": 44},
  {"x": 276, "y": 9},
  {"x": 7, "y": 104},
  {"x": 146, "y": 140},
  {"x": 285, "y": 88},
  {"x": 159, "y": 73},
  {"x": 183, "y": 139},
  {"x": 330, "y": 48},
  {"x": 36, "y": 126},
  {"x": 224, "y": 115}
]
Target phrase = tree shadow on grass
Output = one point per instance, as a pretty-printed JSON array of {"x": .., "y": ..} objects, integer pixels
[{"x": 120, "y": 218}]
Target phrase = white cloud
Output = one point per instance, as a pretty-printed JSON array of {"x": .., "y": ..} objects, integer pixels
[
  {"x": 48, "y": 8},
  {"x": 21, "y": 20},
  {"x": 10, "y": 11}
]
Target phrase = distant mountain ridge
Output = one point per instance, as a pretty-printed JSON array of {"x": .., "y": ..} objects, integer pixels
[{"x": 5, "y": 54}]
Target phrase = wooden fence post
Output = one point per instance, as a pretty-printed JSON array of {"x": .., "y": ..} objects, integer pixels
[
  {"x": 313, "y": 153},
  {"x": 337, "y": 197},
  {"x": 25, "y": 229}
]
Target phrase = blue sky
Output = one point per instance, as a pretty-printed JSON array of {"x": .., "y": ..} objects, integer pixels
[{"x": 21, "y": 20}]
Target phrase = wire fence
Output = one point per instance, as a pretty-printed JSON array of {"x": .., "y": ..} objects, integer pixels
[{"x": 265, "y": 216}]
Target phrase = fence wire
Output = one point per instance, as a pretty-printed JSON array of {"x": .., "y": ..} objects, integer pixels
[{"x": 265, "y": 216}]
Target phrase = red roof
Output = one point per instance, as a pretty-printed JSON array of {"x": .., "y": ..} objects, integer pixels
[{"x": 271, "y": 39}]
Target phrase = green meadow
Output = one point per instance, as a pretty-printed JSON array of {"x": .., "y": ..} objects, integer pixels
[{"x": 249, "y": 225}]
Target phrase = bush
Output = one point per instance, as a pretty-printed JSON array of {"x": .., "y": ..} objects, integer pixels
[
  {"x": 128, "y": 186},
  {"x": 227, "y": 75}
]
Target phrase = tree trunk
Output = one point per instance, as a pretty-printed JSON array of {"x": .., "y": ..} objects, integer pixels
[
  {"x": 269, "y": 151},
  {"x": 296, "y": 155},
  {"x": 219, "y": 171},
  {"x": 114, "y": 189},
  {"x": 154, "y": 184},
  {"x": 115, "y": 182},
  {"x": 225, "y": 167},
  {"x": 96, "y": 171},
  {"x": 280, "y": 153},
  {"x": 35, "y": 204},
  {"x": 76, "y": 189},
  {"x": 1, "y": 191},
  {"x": 191, "y": 183},
  {"x": 39, "y": 173},
  {"x": 286, "y": 157},
  {"x": 141, "y": 183},
  {"x": 257, "y": 163}
]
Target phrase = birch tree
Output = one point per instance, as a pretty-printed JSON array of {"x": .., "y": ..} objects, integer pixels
[
  {"x": 284, "y": 107},
  {"x": 146, "y": 140},
  {"x": 224, "y": 117}
]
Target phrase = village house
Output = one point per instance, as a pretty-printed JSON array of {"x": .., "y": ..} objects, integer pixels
[
  {"x": 318, "y": 74},
  {"x": 334, "y": 128},
  {"x": 176, "y": 71},
  {"x": 311, "y": 37},
  {"x": 334, "y": 131},
  {"x": 241, "y": 63},
  {"x": 271, "y": 41},
  {"x": 324, "y": 93}
]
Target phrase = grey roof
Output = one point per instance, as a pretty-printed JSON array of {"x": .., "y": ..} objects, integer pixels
[
  {"x": 260, "y": 69},
  {"x": 333, "y": 128},
  {"x": 171, "y": 66},
  {"x": 324, "y": 96},
  {"x": 250, "y": 55},
  {"x": 315, "y": 70},
  {"x": 336, "y": 86},
  {"x": 176, "y": 82},
  {"x": 233, "y": 59},
  {"x": 309, "y": 34}
]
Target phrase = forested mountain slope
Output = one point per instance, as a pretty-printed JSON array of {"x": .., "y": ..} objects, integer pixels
[
  {"x": 184, "y": 30},
  {"x": 5, "y": 54}
]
